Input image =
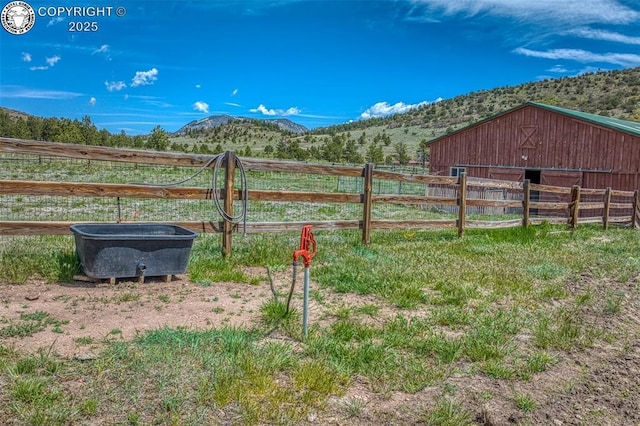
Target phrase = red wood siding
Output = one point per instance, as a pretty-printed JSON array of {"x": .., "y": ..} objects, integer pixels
[{"x": 531, "y": 137}]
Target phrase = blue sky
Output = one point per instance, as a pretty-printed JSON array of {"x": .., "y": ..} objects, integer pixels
[{"x": 315, "y": 62}]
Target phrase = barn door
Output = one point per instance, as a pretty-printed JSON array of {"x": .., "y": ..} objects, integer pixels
[
  {"x": 559, "y": 178},
  {"x": 514, "y": 175}
]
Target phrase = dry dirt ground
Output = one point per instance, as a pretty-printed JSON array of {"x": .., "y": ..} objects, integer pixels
[{"x": 599, "y": 386}]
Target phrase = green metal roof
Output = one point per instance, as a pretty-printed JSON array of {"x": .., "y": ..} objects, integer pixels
[{"x": 612, "y": 123}]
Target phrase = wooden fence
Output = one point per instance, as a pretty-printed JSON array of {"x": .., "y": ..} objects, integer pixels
[{"x": 533, "y": 203}]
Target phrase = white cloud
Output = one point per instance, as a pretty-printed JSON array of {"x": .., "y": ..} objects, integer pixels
[
  {"x": 233, "y": 104},
  {"x": 143, "y": 78},
  {"x": 92, "y": 101},
  {"x": 292, "y": 111},
  {"x": 102, "y": 49},
  {"x": 603, "y": 35},
  {"x": 584, "y": 56},
  {"x": 23, "y": 92},
  {"x": 576, "y": 12},
  {"x": 198, "y": 86},
  {"x": 115, "y": 86},
  {"x": 382, "y": 109},
  {"x": 558, "y": 69},
  {"x": 53, "y": 60},
  {"x": 263, "y": 109},
  {"x": 235, "y": 92},
  {"x": 55, "y": 21},
  {"x": 271, "y": 112},
  {"x": 201, "y": 106}
]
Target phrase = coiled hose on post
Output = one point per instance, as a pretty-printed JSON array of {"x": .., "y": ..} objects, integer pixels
[{"x": 216, "y": 161}]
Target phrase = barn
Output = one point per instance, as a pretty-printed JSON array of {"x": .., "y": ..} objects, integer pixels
[{"x": 545, "y": 144}]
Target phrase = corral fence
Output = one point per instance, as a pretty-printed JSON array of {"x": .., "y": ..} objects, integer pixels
[{"x": 45, "y": 187}]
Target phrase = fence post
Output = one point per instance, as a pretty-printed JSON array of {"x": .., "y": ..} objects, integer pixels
[
  {"x": 367, "y": 202},
  {"x": 227, "y": 227},
  {"x": 526, "y": 199},
  {"x": 634, "y": 215},
  {"x": 462, "y": 203},
  {"x": 575, "y": 206},
  {"x": 607, "y": 208}
]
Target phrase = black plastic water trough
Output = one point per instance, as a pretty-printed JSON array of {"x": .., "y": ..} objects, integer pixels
[{"x": 123, "y": 250}]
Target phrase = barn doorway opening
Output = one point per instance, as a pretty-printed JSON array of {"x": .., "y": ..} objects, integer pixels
[{"x": 534, "y": 177}]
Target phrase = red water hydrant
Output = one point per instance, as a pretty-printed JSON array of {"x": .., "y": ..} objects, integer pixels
[
  {"x": 307, "y": 250},
  {"x": 307, "y": 246}
]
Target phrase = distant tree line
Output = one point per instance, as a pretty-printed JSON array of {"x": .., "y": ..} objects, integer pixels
[
  {"x": 77, "y": 131},
  {"x": 340, "y": 148}
]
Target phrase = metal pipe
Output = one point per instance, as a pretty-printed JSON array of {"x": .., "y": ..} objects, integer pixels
[
  {"x": 305, "y": 303},
  {"x": 293, "y": 285}
]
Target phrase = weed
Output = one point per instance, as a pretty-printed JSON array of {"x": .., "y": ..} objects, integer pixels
[
  {"x": 613, "y": 302},
  {"x": 498, "y": 369},
  {"x": 21, "y": 330},
  {"x": 84, "y": 340},
  {"x": 371, "y": 310},
  {"x": 524, "y": 402},
  {"x": 354, "y": 406},
  {"x": 538, "y": 362},
  {"x": 275, "y": 312},
  {"x": 127, "y": 296},
  {"x": 31, "y": 323},
  {"x": 89, "y": 407},
  {"x": 448, "y": 412},
  {"x": 564, "y": 329}
]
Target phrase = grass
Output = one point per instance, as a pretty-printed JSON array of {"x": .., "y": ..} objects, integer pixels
[
  {"x": 29, "y": 324},
  {"x": 524, "y": 402},
  {"x": 503, "y": 304},
  {"x": 448, "y": 412}
]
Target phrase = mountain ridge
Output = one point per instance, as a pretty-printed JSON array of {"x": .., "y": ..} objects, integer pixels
[{"x": 211, "y": 122}]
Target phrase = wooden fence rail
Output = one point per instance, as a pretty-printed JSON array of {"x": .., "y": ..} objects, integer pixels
[{"x": 579, "y": 205}]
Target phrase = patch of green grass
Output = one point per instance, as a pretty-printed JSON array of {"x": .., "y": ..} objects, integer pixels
[
  {"x": 371, "y": 310},
  {"x": 34, "y": 394},
  {"x": 536, "y": 362},
  {"x": 524, "y": 402},
  {"x": 31, "y": 323},
  {"x": 613, "y": 302},
  {"x": 21, "y": 329},
  {"x": 448, "y": 412},
  {"x": 34, "y": 316},
  {"x": 452, "y": 316},
  {"x": 50, "y": 257},
  {"x": 547, "y": 271},
  {"x": 354, "y": 407},
  {"x": 275, "y": 312},
  {"x": 498, "y": 369},
  {"x": 127, "y": 296},
  {"x": 491, "y": 337},
  {"x": 565, "y": 328},
  {"x": 84, "y": 340}
]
